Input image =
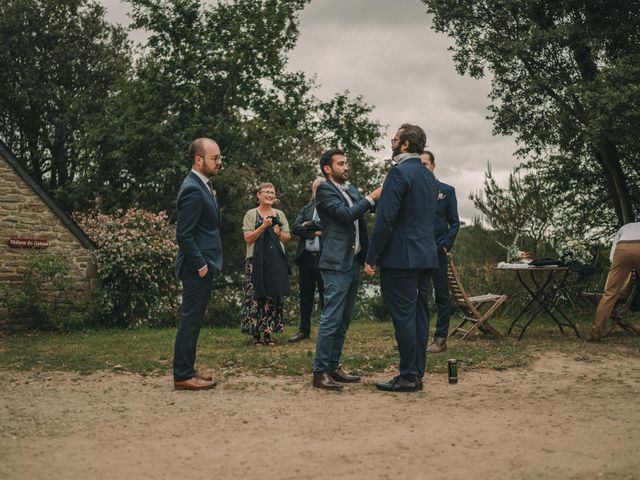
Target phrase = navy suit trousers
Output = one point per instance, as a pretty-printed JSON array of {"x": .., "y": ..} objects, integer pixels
[
  {"x": 441, "y": 294},
  {"x": 195, "y": 297},
  {"x": 406, "y": 295}
]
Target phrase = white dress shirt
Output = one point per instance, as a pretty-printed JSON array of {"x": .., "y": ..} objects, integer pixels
[{"x": 627, "y": 233}]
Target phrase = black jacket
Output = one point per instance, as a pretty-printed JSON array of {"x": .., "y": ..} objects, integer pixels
[{"x": 305, "y": 232}]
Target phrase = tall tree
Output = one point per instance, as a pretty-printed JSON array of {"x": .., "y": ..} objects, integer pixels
[
  {"x": 220, "y": 71},
  {"x": 565, "y": 76},
  {"x": 60, "y": 61}
]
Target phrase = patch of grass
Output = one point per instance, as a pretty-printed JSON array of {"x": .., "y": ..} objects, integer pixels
[{"x": 370, "y": 348}]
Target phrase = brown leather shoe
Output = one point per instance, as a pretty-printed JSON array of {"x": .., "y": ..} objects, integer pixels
[
  {"x": 439, "y": 345},
  {"x": 194, "y": 383},
  {"x": 339, "y": 375},
  {"x": 204, "y": 376},
  {"x": 325, "y": 381}
]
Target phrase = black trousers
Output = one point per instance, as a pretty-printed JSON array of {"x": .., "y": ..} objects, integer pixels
[
  {"x": 195, "y": 297},
  {"x": 310, "y": 281}
]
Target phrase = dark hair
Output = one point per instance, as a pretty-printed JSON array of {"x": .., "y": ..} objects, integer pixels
[
  {"x": 326, "y": 160},
  {"x": 433, "y": 158},
  {"x": 197, "y": 148},
  {"x": 415, "y": 136}
]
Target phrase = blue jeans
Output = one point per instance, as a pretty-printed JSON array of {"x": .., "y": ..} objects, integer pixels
[
  {"x": 441, "y": 294},
  {"x": 340, "y": 289}
]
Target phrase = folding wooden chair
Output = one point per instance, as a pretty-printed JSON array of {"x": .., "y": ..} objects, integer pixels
[
  {"x": 621, "y": 310},
  {"x": 476, "y": 310}
]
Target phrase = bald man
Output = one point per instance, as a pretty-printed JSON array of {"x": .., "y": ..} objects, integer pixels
[{"x": 199, "y": 258}]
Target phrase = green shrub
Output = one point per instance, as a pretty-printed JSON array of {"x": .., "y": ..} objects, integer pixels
[
  {"x": 47, "y": 295},
  {"x": 135, "y": 256}
]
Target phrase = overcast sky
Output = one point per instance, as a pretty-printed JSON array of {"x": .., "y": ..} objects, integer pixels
[{"x": 386, "y": 51}]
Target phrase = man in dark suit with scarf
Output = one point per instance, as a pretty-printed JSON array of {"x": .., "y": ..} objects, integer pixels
[
  {"x": 446, "y": 228},
  {"x": 403, "y": 245},
  {"x": 344, "y": 246},
  {"x": 199, "y": 258},
  {"x": 307, "y": 226}
]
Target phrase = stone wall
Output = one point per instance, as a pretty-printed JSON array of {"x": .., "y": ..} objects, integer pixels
[{"x": 24, "y": 214}]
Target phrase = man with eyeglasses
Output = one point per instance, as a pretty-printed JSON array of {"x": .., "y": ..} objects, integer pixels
[
  {"x": 403, "y": 245},
  {"x": 199, "y": 258}
]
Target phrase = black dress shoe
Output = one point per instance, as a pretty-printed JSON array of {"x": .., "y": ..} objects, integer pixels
[
  {"x": 298, "y": 336},
  {"x": 399, "y": 384},
  {"x": 324, "y": 380},
  {"x": 339, "y": 375}
]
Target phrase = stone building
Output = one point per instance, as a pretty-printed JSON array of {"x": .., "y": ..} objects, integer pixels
[{"x": 31, "y": 222}]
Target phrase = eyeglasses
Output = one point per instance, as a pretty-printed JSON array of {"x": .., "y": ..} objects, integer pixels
[
  {"x": 394, "y": 140},
  {"x": 215, "y": 158}
]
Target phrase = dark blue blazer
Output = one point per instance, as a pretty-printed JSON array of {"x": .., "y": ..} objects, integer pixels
[
  {"x": 403, "y": 234},
  {"x": 197, "y": 227},
  {"x": 338, "y": 230},
  {"x": 447, "y": 221}
]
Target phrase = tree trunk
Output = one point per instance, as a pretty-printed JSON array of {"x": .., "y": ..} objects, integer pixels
[
  {"x": 607, "y": 156},
  {"x": 606, "y": 150}
]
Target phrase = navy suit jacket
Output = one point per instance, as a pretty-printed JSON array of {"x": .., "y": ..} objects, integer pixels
[
  {"x": 403, "y": 234},
  {"x": 338, "y": 230},
  {"x": 197, "y": 227},
  {"x": 447, "y": 221}
]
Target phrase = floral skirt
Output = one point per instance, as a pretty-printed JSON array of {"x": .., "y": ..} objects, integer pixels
[{"x": 260, "y": 315}]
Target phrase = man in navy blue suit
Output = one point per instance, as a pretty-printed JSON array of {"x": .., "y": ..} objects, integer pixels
[
  {"x": 341, "y": 208},
  {"x": 403, "y": 245},
  {"x": 198, "y": 260},
  {"x": 446, "y": 229}
]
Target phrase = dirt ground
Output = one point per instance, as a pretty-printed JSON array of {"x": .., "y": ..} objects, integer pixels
[{"x": 559, "y": 418}]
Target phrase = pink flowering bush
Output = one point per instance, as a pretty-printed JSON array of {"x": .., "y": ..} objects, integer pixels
[{"x": 135, "y": 256}]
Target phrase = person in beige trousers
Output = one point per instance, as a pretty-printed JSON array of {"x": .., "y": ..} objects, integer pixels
[{"x": 625, "y": 257}]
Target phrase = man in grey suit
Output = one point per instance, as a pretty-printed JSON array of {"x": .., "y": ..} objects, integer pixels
[
  {"x": 199, "y": 258},
  {"x": 341, "y": 208}
]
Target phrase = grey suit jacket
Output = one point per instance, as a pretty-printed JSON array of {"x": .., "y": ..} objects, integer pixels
[
  {"x": 338, "y": 229},
  {"x": 197, "y": 227}
]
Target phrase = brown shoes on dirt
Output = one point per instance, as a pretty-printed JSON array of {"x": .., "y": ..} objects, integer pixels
[
  {"x": 195, "y": 383},
  {"x": 439, "y": 345},
  {"x": 339, "y": 375},
  {"x": 329, "y": 380},
  {"x": 204, "y": 376},
  {"x": 324, "y": 380}
]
